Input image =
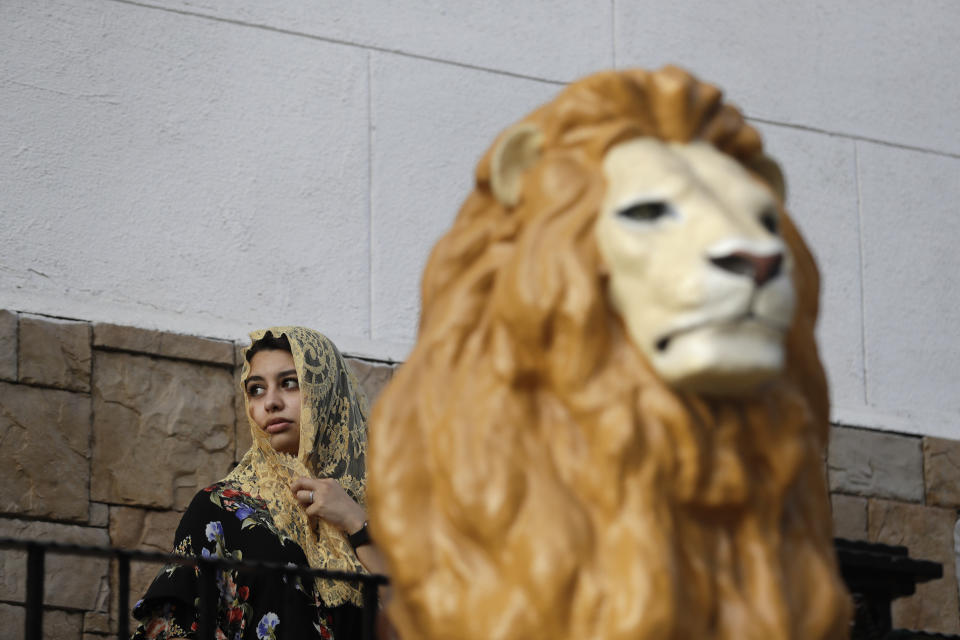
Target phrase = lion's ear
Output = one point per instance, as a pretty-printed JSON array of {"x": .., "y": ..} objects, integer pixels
[
  {"x": 768, "y": 169},
  {"x": 517, "y": 149}
]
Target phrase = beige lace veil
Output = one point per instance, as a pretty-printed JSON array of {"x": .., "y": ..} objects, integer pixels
[{"x": 333, "y": 444}]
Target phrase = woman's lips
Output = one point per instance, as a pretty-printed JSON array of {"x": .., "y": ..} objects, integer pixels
[{"x": 277, "y": 427}]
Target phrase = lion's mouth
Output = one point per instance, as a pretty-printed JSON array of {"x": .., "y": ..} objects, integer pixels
[{"x": 663, "y": 343}]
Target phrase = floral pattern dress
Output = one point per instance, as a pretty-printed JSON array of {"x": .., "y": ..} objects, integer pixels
[{"x": 224, "y": 521}]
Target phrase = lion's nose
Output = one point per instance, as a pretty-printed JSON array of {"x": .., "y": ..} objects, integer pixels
[{"x": 760, "y": 268}]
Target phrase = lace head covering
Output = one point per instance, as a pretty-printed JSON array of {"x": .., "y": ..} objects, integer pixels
[{"x": 333, "y": 444}]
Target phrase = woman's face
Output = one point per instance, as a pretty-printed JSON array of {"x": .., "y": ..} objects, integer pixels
[{"x": 273, "y": 398}]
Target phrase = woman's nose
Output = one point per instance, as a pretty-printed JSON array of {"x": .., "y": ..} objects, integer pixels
[{"x": 274, "y": 400}]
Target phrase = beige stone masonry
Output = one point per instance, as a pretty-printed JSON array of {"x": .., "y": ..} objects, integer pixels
[
  {"x": 8, "y": 346},
  {"x": 62, "y": 625},
  {"x": 54, "y": 353},
  {"x": 162, "y": 429},
  {"x": 136, "y": 424},
  {"x": 99, "y": 514},
  {"x": 243, "y": 437},
  {"x": 72, "y": 582},
  {"x": 44, "y": 452},
  {"x": 928, "y": 533},
  {"x": 145, "y": 530},
  {"x": 941, "y": 468},
  {"x": 57, "y": 625},
  {"x": 849, "y": 516},
  {"x": 96, "y": 622},
  {"x": 163, "y": 343},
  {"x": 875, "y": 464},
  {"x": 12, "y": 617},
  {"x": 373, "y": 376}
]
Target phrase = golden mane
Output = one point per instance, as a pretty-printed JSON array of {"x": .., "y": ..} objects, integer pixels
[{"x": 531, "y": 477}]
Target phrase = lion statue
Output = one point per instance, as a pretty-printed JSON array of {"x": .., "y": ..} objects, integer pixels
[{"x": 613, "y": 421}]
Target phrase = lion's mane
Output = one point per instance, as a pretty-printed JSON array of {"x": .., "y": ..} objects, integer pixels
[{"x": 531, "y": 477}]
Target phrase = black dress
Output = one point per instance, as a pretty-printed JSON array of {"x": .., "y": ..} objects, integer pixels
[{"x": 223, "y": 521}]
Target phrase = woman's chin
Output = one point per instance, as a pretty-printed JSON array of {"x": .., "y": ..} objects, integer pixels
[{"x": 281, "y": 443}]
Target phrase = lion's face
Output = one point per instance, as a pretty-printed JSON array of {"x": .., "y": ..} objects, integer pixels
[{"x": 698, "y": 270}]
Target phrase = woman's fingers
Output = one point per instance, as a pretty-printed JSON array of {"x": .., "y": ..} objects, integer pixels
[
  {"x": 302, "y": 483},
  {"x": 303, "y": 490},
  {"x": 325, "y": 498},
  {"x": 316, "y": 493}
]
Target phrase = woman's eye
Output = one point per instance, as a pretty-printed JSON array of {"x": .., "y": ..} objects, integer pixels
[
  {"x": 254, "y": 390},
  {"x": 290, "y": 383},
  {"x": 645, "y": 211},
  {"x": 768, "y": 219}
]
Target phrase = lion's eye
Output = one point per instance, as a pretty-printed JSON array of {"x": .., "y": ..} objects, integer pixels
[
  {"x": 645, "y": 211},
  {"x": 769, "y": 221}
]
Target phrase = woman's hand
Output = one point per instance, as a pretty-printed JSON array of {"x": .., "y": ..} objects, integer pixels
[{"x": 325, "y": 498}]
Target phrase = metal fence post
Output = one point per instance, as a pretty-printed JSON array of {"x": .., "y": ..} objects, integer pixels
[
  {"x": 207, "y": 615},
  {"x": 123, "y": 598},
  {"x": 208, "y": 594},
  {"x": 34, "y": 620},
  {"x": 370, "y": 605}
]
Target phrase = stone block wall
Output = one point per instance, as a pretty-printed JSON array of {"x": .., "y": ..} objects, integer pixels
[
  {"x": 107, "y": 431},
  {"x": 902, "y": 490}
]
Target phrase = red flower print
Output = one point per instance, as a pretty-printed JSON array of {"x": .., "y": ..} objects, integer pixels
[
  {"x": 230, "y": 493},
  {"x": 244, "y": 592},
  {"x": 156, "y": 627},
  {"x": 234, "y": 615}
]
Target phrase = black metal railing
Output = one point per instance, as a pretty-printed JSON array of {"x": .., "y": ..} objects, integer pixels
[
  {"x": 208, "y": 595},
  {"x": 876, "y": 574}
]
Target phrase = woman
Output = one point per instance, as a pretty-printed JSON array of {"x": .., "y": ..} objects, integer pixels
[{"x": 295, "y": 497}]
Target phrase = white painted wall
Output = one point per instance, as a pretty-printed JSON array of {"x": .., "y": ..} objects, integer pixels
[{"x": 208, "y": 166}]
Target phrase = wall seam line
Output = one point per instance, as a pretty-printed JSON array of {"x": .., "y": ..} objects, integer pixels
[
  {"x": 511, "y": 74},
  {"x": 370, "y": 178},
  {"x": 862, "y": 261},
  {"x": 613, "y": 32},
  {"x": 346, "y": 43},
  {"x": 854, "y": 137}
]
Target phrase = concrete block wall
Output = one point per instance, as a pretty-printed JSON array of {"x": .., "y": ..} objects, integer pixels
[
  {"x": 107, "y": 432},
  {"x": 206, "y": 166}
]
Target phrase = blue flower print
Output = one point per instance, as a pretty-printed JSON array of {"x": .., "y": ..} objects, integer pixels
[
  {"x": 244, "y": 512},
  {"x": 266, "y": 626},
  {"x": 214, "y": 530}
]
